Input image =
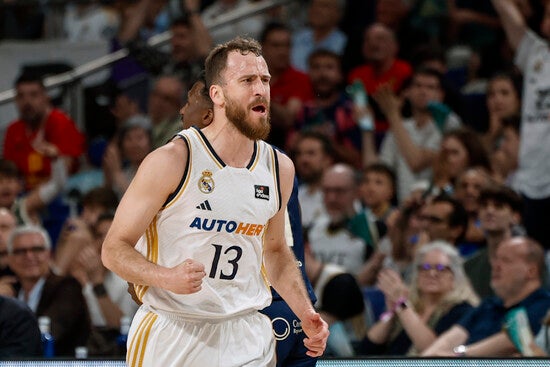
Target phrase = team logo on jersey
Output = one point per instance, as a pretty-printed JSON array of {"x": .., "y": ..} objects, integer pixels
[
  {"x": 206, "y": 183},
  {"x": 261, "y": 192}
]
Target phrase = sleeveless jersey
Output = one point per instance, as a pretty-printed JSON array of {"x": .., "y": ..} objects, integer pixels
[{"x": 217, "y": 216}]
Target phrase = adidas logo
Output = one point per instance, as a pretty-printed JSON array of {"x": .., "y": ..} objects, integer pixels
[{"x": 205, "y": 205}]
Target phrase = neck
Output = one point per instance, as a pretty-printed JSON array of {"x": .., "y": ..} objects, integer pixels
[
  {"x": 421, "y": 117},
  {"x": 381, "y": 66},
  {"x": 323, "y": 102},
  {"x": 231, "y": 145},
  {"x": 494, "y": 239},
  {"x": 320, "y": 33},
  {"x": 380, "y": 209},
  {"x": 526, "y": 289},
  {"x": 27, "y": 285}
]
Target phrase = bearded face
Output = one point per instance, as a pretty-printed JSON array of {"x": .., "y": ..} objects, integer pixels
[{"x": 253, "y": 126}]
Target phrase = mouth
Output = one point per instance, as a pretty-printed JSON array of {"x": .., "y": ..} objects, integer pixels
[{"x": 260, "y": 108}]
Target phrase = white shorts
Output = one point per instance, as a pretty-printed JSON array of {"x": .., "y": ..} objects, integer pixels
[{"x": 165, "y": 339}]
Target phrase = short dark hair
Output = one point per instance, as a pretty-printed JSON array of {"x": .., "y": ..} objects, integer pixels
[
  {"x": 384, "y": 169},
  {"x": 9, "y": 169},
  {"x": 431, "y": 72},
  {"x": 503, "y": 195},
  {"x": 181, "y": 21},
  {"x": 326, "y": 144},
  {"x": 458, "y": 216},
  {"x": 272, "y": 27},
  {"x": 101, "y": 196},
  {"x": 216, "y": 61},
  {"x": 29, "y": 78},
  {"x": 321, "y": 52}
]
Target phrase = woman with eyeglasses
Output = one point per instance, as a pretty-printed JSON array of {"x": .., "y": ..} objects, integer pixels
[{"x": 439, "y": 294}]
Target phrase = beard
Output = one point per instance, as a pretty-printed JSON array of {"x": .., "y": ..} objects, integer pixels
[{"x": 241, "y": 120}]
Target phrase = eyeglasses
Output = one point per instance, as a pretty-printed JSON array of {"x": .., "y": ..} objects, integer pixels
[
  {"x": 33, "y": 250},
  {"x": 440, "y": 268},
  {"x": 432, "y": 219}
]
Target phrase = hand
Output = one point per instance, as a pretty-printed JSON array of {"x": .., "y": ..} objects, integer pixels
[
  {"x": 391, "y": 284},
  {"x": 6, "y": 285},
  {"x": 388, "y": 102},
  {"x": 112, "y": 162},
  {"x": 185, "y": 278},
  {"x": 191, "y": 5},
  {"x": 316, "y": 330},
  {"x": 46, "y": 148}
]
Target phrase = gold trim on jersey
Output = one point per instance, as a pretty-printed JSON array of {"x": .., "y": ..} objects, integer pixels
[
  {"x": 138, "y": 343},
  {"x": 187, "y": 174},
  {"x": 256, "y": 158},
  {"x": 274, "y": 170},
  {"x": 207, "y": 149}
]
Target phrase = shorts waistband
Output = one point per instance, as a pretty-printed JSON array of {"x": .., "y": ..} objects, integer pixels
[{"x": 198, "y": 318}]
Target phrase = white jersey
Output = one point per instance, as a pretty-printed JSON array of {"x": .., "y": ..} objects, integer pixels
[{"x": 218, "y": 216}]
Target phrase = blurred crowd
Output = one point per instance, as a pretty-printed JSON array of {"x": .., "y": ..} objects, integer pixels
[{"x": 419, "y": 130}]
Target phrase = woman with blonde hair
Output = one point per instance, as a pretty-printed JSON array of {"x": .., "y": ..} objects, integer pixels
[{"x": 439, "y": 295}]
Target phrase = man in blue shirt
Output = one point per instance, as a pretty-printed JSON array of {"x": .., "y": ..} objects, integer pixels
[{"x": 516, "y": 278}]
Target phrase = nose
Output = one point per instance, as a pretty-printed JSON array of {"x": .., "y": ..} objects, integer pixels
[{"x": 260, "y": 87}]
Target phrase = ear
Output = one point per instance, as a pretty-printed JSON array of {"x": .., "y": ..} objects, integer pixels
[
  {"x": 216, "y": 94},
  {"x": 207, "y": 117}
]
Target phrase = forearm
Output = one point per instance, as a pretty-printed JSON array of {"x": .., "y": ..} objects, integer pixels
[
  {"x": 368, "y": 153},
  {"x": 201, "y": 35},
  {"x": 444, "y": 344},
  {"x": 285, "y": 277},
  {"x": 417, "y": 330},
  {"x": 512, "y": 21},
  {"x": 379, "y": 333},
  {"x": 498, "y": 345},
  {"x": 129, "y": 264},
  {"x": 416, "y": 157}
]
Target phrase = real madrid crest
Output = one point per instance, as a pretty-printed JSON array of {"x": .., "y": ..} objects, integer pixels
[{"x": 206, "y": 183}]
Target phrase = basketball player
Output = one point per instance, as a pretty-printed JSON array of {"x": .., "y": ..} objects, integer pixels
[
  {"x": 207, "y": 214},
  {"x": 290, "y": 348}
]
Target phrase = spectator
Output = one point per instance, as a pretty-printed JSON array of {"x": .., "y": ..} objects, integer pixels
[
  {"x": 338, "y": 237},
  {"x": 410, "y": 147},
  {"x": 165, "y": 101},
  {"x": 27, "y": 206},
  {"x": 313, "y": 155},
  {"x": 503, "y": 101},
  {"x": 516, "y": 273},
  {"x": 104, "y": 291},
  {"x": 505, "y": 159},
  {"x": 460, "y": 149},
  {"x": 19, "y": 333},
  {"x": 7, "y": 278},
  {"x": 121, "y": 162},
  {"x": 91, "y": 21},
  {"x": 322, "y": 32},
  {"x": 377, "y": 191},
  {"x": 339, "y": 301},
  {"x": 442, "y": 218},
  {"x": 499, "y": 215},
  {"x": 439, "y": 295},
  {"x": 250, "y": 26},
  {"x": 47, "y": 294},
  {"x": 380, "y": 48},
  {"x": 290, "y": 88},
  {"x": 39, "y": 124},
  {"x": 469, "y": 185},
  {"x": 331, "y": 110},
  {"x": 533, "y": 178}
]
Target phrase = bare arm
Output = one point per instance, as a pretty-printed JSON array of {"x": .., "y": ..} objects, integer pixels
[
  {"x": 444, "y": 344},
  {"x": 495, "y": 345},
  {"x": 512, "y": 21},
  {"x": 417, "y": 158},
  {"x": 201, "y": 36},
  {"x": 136, "y": 210},
  {"x": 133, "y": 17},
  {"x": 283, "y": 272}
]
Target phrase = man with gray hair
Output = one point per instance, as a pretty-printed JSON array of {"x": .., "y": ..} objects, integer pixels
[{"x": 46, "y": 294}]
